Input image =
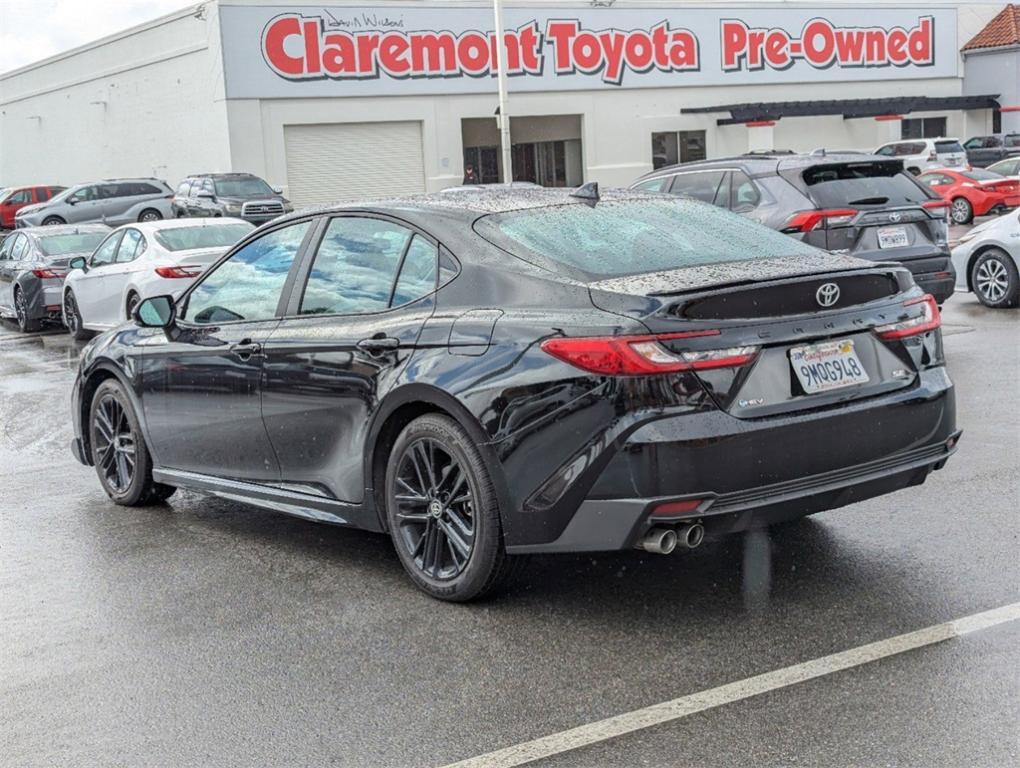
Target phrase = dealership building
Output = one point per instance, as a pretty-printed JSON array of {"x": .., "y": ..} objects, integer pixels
[{"x": 335, "y": 100}]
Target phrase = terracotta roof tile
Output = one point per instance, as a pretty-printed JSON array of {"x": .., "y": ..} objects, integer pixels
[{"x": 1001, "y": 31}]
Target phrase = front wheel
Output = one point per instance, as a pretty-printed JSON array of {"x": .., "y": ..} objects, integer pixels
[
  {"x": 132, "y": 302},
  {"x": 994, "y": 279},
  {"x": 119, "y": 452},
  {"x": 443, "y": 513},
  {"x": 150, "y": 214},
  {"x": 26, "y": 324},
  {"x": 961, "y": 211}
]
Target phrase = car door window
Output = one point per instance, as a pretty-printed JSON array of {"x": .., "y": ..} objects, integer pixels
[
  {"x": 110, "y": 191},
  {"x": 355, "y": 267},
  {"x": 418, "y": 272},
  {"x": 131, "y": 246},
  {"x": 248, "y": 285},
  {"x": 22, "y": 196},
  {"x": 18, "y": 251},
  {"x": 85, "y": 194},
  {"x": 887, "y": 151},
  {"x": 744, "y": 193},
  {"x": 107, "y": 251},
  {"x": 992, "y": 142},
  {"x": 701, "y": 186}
]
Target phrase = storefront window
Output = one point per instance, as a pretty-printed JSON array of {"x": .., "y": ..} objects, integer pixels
[
  {"x": 672, "y": 147},
  {"x": 923, "y": 128}
]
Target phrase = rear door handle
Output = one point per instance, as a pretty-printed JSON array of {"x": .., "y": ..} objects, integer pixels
[
  {"x": 247, "y": 349},
  {"x": 378, "y": 344}
]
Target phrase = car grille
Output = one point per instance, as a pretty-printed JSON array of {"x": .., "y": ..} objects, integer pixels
[{"x": 262, "y": 208}]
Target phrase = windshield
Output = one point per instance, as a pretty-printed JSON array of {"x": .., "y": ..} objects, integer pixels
[
  {"x": 64, "y": 195},
  {"x": 249, "y": 187},
  {"x": 206, "y": 236},
  {"x": 856, "y": 184},
  {"x": 628, "y": 237},
  {"x": 60, "y": 245},
  {"x": 981, "y": 175}
]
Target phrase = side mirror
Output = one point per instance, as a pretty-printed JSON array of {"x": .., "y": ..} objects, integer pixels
[
  {"x": 78, "y": 262},
  {"x": 71, "y": 201},
  {"x": 278, "y": 190},
  {"x": 156, "y": 312}
]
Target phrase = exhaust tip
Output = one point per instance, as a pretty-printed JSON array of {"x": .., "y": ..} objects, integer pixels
[
  {"x": 660, "y": 541},
  {"x": 692, "y": 535}
]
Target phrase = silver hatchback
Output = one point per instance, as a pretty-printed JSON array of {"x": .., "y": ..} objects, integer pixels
[{"x": 113, "y": 202}]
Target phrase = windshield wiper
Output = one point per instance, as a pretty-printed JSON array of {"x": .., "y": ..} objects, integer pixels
[{"x": 869, "y": 201}]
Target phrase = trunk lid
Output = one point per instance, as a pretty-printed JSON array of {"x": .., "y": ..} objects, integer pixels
[
  {"x": 777, "y": 310},
  {"x": 196, "y": 257}
]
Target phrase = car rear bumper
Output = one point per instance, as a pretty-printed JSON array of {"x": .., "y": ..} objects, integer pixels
[{"x": 747, "y": 472}]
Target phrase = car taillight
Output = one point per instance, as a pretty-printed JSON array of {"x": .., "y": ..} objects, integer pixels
[
  {"x": 48, "y": 274},
  {"x": 805, "y": 221},
  {"x": 937, "y": 207},
  {"x": 178, "y": 271},
  {"x": 928, "y": 320},
  {"x": 643, "y": 355}
]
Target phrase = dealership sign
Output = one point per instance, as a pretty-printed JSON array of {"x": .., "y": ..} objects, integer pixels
[{"x": 351, "y": 51}]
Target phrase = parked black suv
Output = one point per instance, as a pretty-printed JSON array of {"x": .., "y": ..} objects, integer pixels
[
  {"x": 982, "y": 151},
  {"x": 241, "y": 195},
  {"x": 860, "y": 204}
]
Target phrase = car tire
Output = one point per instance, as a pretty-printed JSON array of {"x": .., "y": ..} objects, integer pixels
[
  {"x": 130, "y": 304},
  {"x": 119, "y": 453},
  {"x": 25, "y": 323},
  {"x": 52, "y": 221},
  {"x": 994, "y": 279},
  {"x": 72, "y": 319},
  {"x": 915, "y": 171},
  {"x": 443, "y": 513},
  {"x": 961, "y": 211},
  {"x": 150, "y": 214}
]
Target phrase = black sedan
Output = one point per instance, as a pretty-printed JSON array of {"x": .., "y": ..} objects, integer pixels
[{"x": 486, "y": 375}]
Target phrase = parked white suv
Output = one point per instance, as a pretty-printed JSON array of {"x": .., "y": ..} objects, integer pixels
[{"x": 920, "y": 155}]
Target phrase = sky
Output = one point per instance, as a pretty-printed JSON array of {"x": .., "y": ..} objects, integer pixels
[{"x": 31, "y": 30}]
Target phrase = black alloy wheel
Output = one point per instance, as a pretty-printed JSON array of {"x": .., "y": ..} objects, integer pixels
[
  {"x": 25, "y": 324},
  {"x": 72, "y": 319},
  {"x": 442, "y": 511},
  {"x": 118, "y": 448}
]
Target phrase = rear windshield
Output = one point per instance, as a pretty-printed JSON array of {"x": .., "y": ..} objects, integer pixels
[
  {"x": 206, "y": 236},
  {"x": 981, "y": 175},
  {"x": 944, "y": 147},
  {"x": 242, "y": 187},
  {"x": 626, "y": 237},
  {"x": 59, "y": 245},
  {"x": 862, "y": 184}
]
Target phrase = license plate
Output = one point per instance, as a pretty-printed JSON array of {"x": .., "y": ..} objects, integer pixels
[
  {"x": 827, "y": 366},
  {"x": 952, "y": 161},
  {"x": 892, "y": 237}
]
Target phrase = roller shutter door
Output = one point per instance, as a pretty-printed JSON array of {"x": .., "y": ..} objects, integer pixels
[{"x": 340, "y": 161}]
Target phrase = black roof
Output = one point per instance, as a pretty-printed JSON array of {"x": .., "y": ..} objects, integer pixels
[{"x": 755, "y": 164}]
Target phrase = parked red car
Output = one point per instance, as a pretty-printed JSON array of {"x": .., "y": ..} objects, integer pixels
[
  {"x": 973, "y": 193},
  {"x": 13, "y": 198}
]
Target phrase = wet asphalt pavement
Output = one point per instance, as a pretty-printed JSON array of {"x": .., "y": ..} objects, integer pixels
[{"x": 207, "y": 633}]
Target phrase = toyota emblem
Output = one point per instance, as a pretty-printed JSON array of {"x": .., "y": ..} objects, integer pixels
[
  {"x": 895, "y": 216},
  {"x": 827, "y": 294}
]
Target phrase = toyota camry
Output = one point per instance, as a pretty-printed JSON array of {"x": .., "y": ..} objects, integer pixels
[{"x": 485, "y": 375}]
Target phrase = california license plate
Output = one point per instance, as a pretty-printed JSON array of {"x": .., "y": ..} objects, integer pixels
[
  {"x": 892, "y": 237},
  {"x": 827, "y": 366}
]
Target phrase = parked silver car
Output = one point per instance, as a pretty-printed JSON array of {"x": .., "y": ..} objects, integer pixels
[
  {"x": 113, "y": 202},
  {"x": 33, "y": 264}
]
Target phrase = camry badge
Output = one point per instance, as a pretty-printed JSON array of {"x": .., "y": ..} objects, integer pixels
[{"x": 827, "y": 294}]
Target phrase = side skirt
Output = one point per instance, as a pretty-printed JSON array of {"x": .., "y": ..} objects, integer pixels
[{"x": 277, "y": 499}]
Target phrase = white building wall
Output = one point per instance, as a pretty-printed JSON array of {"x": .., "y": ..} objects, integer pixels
[{"x": 139, "y": 103}]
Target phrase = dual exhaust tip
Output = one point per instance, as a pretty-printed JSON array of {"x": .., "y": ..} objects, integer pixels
[{"x": 662, "y": 541}]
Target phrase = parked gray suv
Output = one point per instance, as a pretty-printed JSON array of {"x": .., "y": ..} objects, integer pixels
[
  {"x": 240, "y": 195},
  {"x": 864, "y": 205},
  {"x": 111, "y": 201}
]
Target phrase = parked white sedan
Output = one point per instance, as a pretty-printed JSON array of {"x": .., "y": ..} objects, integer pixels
[
  {"x": 137, "y": 261},
  {"x": 987, "y": 259}
]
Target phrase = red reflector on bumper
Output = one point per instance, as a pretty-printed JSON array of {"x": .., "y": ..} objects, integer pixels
[{"x": 677, "y": 507}]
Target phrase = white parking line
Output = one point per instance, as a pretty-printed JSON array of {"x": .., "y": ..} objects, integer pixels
[{"x": 668, "y": 711}]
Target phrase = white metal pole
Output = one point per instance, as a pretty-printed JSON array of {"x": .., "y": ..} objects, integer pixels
[{"x": 503, "y": 118}]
